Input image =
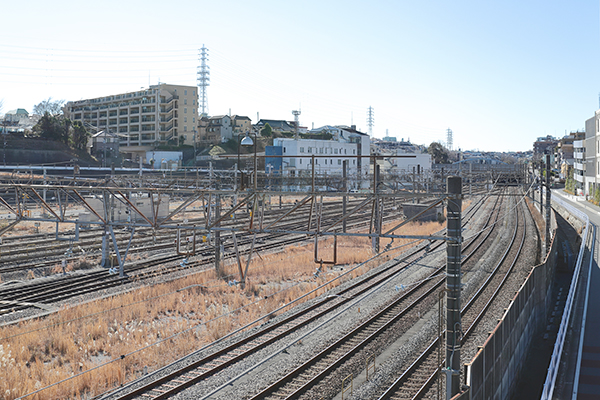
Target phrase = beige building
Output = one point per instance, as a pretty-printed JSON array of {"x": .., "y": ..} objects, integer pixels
[
  {"x": 161, "y": 114},
  {"x": 240, "y": 124}
]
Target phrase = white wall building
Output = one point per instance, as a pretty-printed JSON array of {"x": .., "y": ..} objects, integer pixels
[
  {"x": 295, "y": 156},
  {"x": 579, "y": 163},
  {"x": 329, "y": 154}
]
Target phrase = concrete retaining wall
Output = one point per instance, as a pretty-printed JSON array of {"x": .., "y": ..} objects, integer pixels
[{"x": 493, "y": 372}]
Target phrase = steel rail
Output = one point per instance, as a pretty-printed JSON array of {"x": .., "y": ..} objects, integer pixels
[{"x": 399, "y": 383}]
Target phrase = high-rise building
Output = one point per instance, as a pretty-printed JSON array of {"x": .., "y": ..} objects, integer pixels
[{"x": 144, "y": 119}]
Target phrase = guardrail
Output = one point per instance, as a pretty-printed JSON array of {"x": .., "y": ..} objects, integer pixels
[{"x": 564, "y": 323}]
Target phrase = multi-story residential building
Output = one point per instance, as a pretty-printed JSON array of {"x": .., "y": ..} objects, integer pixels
[
  {"x": 204, "y": 137},
  {"x": 544, "y": 145},
  {"x": 579, "y": 163},
  {"x": 221, "y": 127},
  {"x": 564, "y": 153},
  {"x": 240, "y": 124},
  {"x": 16, "y": 116},
  {"x": 144, "y": 119},
  {"x": 591, "y": 154}
]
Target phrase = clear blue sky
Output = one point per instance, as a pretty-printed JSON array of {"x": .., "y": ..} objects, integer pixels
[{"x": 499, "y": 74}]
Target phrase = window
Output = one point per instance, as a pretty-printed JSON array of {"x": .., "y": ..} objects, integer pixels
[
  {"x": 184, "y": 119},
  {"x": 345, "y": 151},
  {"x": 185, "y": 128},
  {"x": 310, "y": 149},
  {"x": 300, "y": 161},
  {"x": 185, "y": 92},
  {"x": 339, "y": 162},
  {"x": 185, "y": 110},
  {"x": 325, "y": 161},
  {"x": 284, "y": 149},
  {"x": 301, "y": 149},
  {"x": 194, "y": 119},
  {"x": 335, "y": 151},
  {"x": 353, "y": 151},
  {"x": 194, "y": 101},
  {"x": 320, "y": 150},
  {"x": 185, "y": 102},
  {"x": 354, "y": 162}
]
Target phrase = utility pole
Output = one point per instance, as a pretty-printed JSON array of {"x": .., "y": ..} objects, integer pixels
[
  {"x": 345, "y": 190},
  {"x": 547, "y": 202},
  {"x": 453, "y": 285}
]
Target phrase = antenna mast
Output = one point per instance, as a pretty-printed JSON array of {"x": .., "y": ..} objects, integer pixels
[
  {"x": 296, "y": 122},
  {"x": 203, "y": 81},
  {"x": 370, "y": 120}
]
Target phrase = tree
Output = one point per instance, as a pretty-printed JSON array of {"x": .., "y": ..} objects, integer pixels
[
  {"x": 54, "y": 127},
  {"x": 266, "y": 131},
  {"x": 79, "y": 136},
  {"x": 52, "y": 107},
  {"x": 438, "y": 153}
]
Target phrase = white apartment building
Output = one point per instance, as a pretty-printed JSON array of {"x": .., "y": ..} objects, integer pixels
[
  {"x": 295, "y": 155},
  {"x": 144, "y": 119},
  {"x": 579, "y": 163}
]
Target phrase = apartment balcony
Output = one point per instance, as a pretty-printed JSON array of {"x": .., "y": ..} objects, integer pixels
[
  {"x": 165, "y": 119},
  {"x": 170, "y": 99},
  {"x": 134, "y": 111},
  {"x": 165, "y": 110},
  {"x": 579, "y": 178},
  {"x": 166, "y": 138},
  {"x": 147, "y": 137},
  {"x": 578, "y": 166},
  {"x": 148, "y": 110},
  {"x": 148, "y": 119},
  {"x": 578, "y": 155}
]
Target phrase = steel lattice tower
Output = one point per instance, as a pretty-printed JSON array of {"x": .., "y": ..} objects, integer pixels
[
  {"x": 370, "y": 120},
  {"x": 449, "y": 141},
  {"x": 203, "y": 81}
]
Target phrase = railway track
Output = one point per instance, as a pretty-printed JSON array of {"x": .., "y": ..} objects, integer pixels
[
  {"x": 418, "y": 380},
  {"x": 42, "y": 293},
  {"x": 205, "y": 367},
  {"x": 16, "y": 250}
]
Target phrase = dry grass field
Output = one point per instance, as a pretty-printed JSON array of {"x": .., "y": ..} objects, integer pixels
[{"x": 99, "y": 345}]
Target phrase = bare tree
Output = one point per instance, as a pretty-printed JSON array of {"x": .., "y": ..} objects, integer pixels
[{"x": 52, "y": 107}]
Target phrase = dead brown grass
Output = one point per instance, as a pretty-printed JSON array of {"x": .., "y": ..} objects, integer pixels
[{"x": 40, "y": 352}]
